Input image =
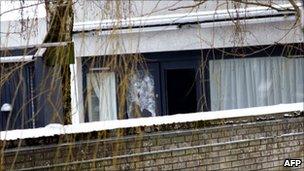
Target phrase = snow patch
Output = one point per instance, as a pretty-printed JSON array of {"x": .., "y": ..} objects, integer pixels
[{"x": 58, "y": 129}]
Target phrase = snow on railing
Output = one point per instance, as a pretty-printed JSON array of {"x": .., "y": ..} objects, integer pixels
[{"x": 58, "y": 129}]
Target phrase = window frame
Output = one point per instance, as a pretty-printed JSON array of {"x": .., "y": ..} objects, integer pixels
[
  {"x": 203, "y": 57},
  {"x": 180, "y": 64}
]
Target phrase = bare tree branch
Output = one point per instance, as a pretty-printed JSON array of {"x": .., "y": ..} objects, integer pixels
[
  {"x": 297, "y": 9},
  {"x": 271, "y": 6},
  {"x": 189, "y": 6},
  {"x": 22, "y": 7}
]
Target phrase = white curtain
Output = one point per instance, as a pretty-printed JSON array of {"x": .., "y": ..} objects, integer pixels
[
  {"x": 250, "y": 82},
  {"x": 102, "y": 96}
]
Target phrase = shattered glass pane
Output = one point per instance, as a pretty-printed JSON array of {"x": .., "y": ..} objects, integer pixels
[{"x": 141, "y": 95}]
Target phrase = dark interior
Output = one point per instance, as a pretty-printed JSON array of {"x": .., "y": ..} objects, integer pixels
[
  {"x": 181, "y": 91},
  {"x": 15, "y": 91}
]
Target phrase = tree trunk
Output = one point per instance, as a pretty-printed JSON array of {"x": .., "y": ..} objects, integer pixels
[{"x": 60, "y": 26}]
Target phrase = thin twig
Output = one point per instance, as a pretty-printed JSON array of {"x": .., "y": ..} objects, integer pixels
[
  {"x": 189, "y": 6},
  {"x": 22, "y": 7}
]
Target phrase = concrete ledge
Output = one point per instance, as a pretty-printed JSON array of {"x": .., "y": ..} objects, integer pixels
[{"x": 57, "y": 129}]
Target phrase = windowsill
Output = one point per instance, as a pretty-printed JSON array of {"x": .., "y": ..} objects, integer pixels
[{"x": 57, "y": 129}]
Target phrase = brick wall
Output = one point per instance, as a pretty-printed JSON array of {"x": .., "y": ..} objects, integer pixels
[{"x": 261, "y": 142}]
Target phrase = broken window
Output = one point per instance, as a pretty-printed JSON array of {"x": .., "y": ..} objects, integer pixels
[{"x": 141, "y": 95}]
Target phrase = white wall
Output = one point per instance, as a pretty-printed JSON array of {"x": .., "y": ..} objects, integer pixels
[
  {"x": 13, "y": 34},
  {"x": 93, "y": 10},
  {"x": 22, "y": 23},
  {"x": 77, "y": 92},
  {"x": 188, "y": 38}
]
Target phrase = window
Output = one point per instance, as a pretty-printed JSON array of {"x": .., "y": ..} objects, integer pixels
[
  {"x": 251, "y": 82},
  {"x": 164, "y": 88},
  {"x": 141, "y": 95},
  {"x": 101, "y": 96},
  {"x": 16, "y": 90},
  {"x": 181, "y": 91},
  {"x": 199, "y": 80},
  {"x": 160, "y": 88},
  {"x": 181, "y": 86}
]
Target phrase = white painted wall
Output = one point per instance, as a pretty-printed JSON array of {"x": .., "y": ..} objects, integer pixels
[
  {"x": 13, "y": 34},
  {"x": 22, "y": 26},
  {"x": 93, "y": 10},
  {"x": 188, "y": 38}
]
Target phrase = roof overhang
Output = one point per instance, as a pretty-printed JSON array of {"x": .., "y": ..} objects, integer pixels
[
  {"x": 186, "y": 18},
  {"x": 25, "y": 53}
]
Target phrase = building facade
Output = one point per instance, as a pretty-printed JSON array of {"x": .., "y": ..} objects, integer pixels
[
  {"x": 208, "y": 59},
  {"x": 159, "y": 85}
]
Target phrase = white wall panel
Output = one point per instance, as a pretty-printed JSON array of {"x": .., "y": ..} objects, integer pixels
[{"x": 186, "y": 38}]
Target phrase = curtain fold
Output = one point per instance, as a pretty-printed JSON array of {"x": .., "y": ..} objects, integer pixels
[
  {"x": 251, "y": 82},
  {"x": 102, "y": 96}
]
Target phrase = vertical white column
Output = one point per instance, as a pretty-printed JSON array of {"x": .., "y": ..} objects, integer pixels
[{"x": 76, "y": 92}]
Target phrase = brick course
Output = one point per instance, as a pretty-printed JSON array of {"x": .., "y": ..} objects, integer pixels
[{"x": 261, "y": 142}]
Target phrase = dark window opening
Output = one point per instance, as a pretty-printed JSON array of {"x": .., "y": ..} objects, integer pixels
[
  {"x": 16, "y": 91},
  {"x": 181, "y": 91}
]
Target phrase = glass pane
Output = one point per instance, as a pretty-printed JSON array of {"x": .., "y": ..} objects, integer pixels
[{"x": 141, "y": 95}]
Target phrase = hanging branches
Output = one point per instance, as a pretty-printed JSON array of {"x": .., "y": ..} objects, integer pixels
[
  {"x": 270, "y": 5},
  {"x": 60, "y": 27}
]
